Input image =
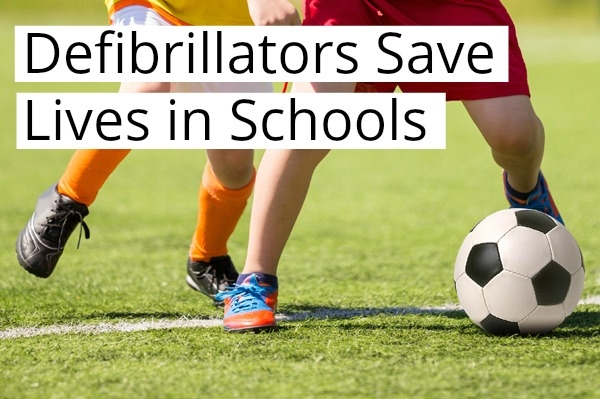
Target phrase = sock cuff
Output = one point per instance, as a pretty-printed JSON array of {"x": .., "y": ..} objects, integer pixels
[
  {"x": 63, "y": 188},
  {"x": 217, "y": 190},
  {"x": 262, "y": 278},
  {"x": 520, "y": 195}
]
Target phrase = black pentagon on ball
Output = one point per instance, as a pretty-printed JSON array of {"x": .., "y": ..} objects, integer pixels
[
  {"x": 551, "y": 284},
  {"x": 535, "y": 220},
  {"x": 497, "y": 326},
  {"x": 483, "y": 263}
]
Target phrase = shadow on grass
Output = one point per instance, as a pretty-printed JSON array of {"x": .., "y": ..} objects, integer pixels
[
  {"x": 581, "y": 323},
  {"x": 133, "y": 316},
  {"x": 299, "y": 313}
]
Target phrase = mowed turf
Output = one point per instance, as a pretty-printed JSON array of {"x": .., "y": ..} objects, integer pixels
[{"x": 364, "y": 280}]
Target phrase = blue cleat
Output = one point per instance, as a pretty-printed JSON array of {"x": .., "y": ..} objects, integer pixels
[
  {"x": 540, "y": 199},
  {"x": 249, "y": 306}
]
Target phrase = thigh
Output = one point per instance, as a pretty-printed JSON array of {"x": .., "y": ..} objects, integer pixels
[{"x": 222, "y": 87}]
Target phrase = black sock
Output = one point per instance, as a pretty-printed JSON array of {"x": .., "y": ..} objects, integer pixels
[{"x": 517, "y": 194}]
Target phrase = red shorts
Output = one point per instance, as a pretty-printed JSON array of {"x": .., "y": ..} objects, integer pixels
[{"x": 428, "y": 12}]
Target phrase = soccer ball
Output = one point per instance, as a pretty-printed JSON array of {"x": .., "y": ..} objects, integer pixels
[{"x": 519, "y": 271}]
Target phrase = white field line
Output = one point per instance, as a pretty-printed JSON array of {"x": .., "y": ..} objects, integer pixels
[{"x": 146, "y": 325}]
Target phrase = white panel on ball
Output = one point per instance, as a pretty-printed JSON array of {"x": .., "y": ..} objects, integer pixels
[
  {"x": 495, "y": 226},
  {"x": 524, "y": 251},
  {"x": 565, "y": 250},
  {"x": 509, "y": 296},
  {"x": 470, "y": 295},
  {"x": 543, "y": 319}
]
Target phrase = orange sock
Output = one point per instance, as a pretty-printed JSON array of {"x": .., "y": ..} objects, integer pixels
[
  {"x": 87, "y": 172},
  {"x": 219, "y": 210}
]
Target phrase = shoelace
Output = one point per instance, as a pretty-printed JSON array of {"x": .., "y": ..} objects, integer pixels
[
  {"x": 60, "y": 220},
  {"x": 245, "y": 295},
  {"x": 541, "y": 196}
]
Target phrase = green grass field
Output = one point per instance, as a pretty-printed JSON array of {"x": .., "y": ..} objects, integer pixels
[{"x": 364, "y": 280}]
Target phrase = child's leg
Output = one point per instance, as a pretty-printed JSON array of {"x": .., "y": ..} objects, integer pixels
[
  {"x": 88, "y": 170},
  {"x": 282, "y": 183},
  {"x": 226, "y": 186},
  {"x": 86, "y": 173},
  {"x": 281, "y": 186},
  {"x": 516, "y": 137},
  {"x": 514, "y": 134}
]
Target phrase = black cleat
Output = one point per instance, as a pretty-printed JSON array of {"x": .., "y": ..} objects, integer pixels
[
  {"x": 212, "y": 277},
  {"x": 40, "y": 244}
]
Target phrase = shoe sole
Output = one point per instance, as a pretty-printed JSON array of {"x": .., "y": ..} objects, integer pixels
[
  {"x": 192, "y": 284},
  {"x": 250, "y": 330}
]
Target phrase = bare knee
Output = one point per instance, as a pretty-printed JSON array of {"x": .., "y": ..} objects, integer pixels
[
  {"x": 508, "y": 124},
  {"x": 516, "y": 137},
  {"x": 233, "y": 168}
]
